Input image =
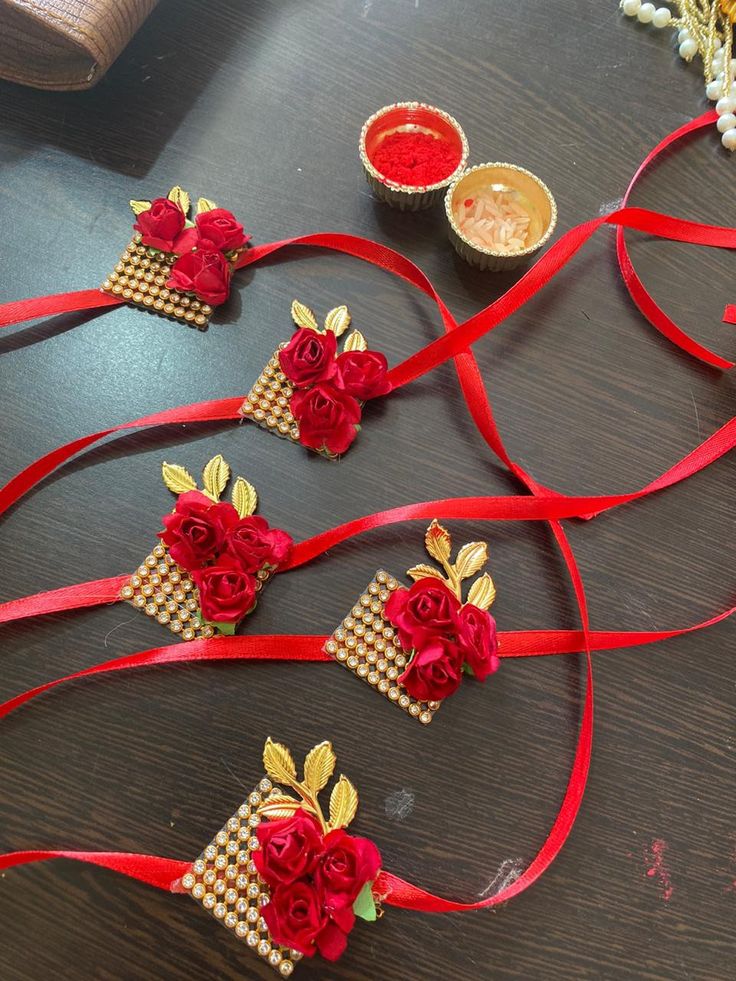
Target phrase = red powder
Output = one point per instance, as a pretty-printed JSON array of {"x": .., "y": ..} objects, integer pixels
[{"x": 415, "y": 159}]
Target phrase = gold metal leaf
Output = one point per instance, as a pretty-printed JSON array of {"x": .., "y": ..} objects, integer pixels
[
  {"x": 470, "y": 559},
  {"x": 303, "y": 316},
  {"x": 278, "y": 762},
  {"x": 343, "y": 803},
  {"x": 423, "y": 571},
  {"x": 139, "y": 206},
  {"x": 215, "y": 477},
  {"x": 244, "y": 497},
  {"x": 177, "y": 479},
  {"x": 319, "y": 766},
  {"x": 438, "y": 542},
  {"x": 338, "y": 320},
  {"x": 204, "y": 204},
  {"x": 483, "y": 592},
  {"x": 179, "y": 196},
  {"x": 355, "y": 342},
  {"x": 279, "y": 806}
]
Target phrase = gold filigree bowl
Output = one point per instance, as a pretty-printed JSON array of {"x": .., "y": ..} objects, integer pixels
[
  {"x": 410, "y": 117},
  {"x": 538, "y": 203}
]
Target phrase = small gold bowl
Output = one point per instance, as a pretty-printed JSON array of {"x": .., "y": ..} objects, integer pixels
[
  {"x": 409, "y": 117},
  {"x": 538, "y": 202}
]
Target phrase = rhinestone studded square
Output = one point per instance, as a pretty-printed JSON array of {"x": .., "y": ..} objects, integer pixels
[
  {"x": 367, "y": 645},
  {"x": 224, "y": 880},
  {"x": 162, "y": 589},
  {"x": 268, "y": 402},
  {"x": 140, "y": 278}
]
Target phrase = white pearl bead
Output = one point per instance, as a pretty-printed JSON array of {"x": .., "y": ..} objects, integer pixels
[
  {"x": 662, "y": 17},
  {"x": 631, "y": 7},
  {"x": 683, "y": 35},
  {"x": 714, "y": 89},
  {"x": 646, "y": 13},
  {"x": 729, "y": 139},
  {"x": 717, "y": 44},
  {"x": 726, "y": 121},
  {"x": 726, "y": 104},
  {"x": 688, "y": 49}
]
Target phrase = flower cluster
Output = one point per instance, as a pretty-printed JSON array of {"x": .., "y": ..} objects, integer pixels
[
  {"x": 315, "y": 880},
  {"x": 222, "y": 553},
  {"x": 330, "y": 387},
  {"x": 446, "y": 638},
  {"x": 203, "y": 266}
]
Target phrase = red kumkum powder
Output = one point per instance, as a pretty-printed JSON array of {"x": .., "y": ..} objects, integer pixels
[{"x": 415, "y": 159}]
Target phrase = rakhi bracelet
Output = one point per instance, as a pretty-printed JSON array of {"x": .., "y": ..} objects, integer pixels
[{"x": 215, "y": 556}]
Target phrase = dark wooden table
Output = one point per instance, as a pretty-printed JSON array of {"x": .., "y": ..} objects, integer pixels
[{"x": 259, "y": 105}]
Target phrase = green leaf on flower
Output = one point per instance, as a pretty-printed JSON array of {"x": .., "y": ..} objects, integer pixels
[
  {"x": 223, "y": 628},
  {"x": 364, "y": 906}
]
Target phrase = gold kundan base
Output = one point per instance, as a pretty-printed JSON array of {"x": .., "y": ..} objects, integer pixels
[
  {"x": 140, "y": 279},
  {"x": 225, "y": 881},
  {"x": 367, "y": 645}
]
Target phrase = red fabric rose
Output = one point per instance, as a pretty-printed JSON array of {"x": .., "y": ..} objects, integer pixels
[
  {"x": 296, "y": 919},
  {"x": 195, "y": 532},
  {"x": 435, "y": 671},
  {"x": 205, "y": 273},
  {"x": 363, "y": 374},
  {"x": 309, "y": 357},
  {"x": 289, "y": 848},
  {"x": 219, "y": 230},
  {"x": 226, "y": 593},
  {"x": 477, "y": 640},
  {"x": 327, "y": 418},
  {"x": 161, "y": 224},
  {"x": 254, "y": 545},
  {"x": 424, "y": 610},
  {"x": 347, "y": 863}
]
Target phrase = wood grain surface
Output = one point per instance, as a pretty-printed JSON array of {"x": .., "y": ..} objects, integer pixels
[{"x": 259, "y": 105}]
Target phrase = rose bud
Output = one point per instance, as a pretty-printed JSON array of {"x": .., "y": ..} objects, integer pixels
[
  {"x": 226, "y": 593},
  {"x": 254, "y": 545},
  {"x": 425, "y": 609},
  {"x": 289, "y": 848},
  {"x": 328, "y": 419},
  {"x": 219, "y": 230},
  {"x": 363, "y": 374},
  {"x": 435, "y": 671},
  {"x": 295, "y": 918},
  {"x": 345, "y": 866},
  {"x": 195, "y": 532},
  {"x": 207, "y": 274},
  {"x": 478, "y": 642},
  {"x": 161, "y": 224},
  {"x": 309, "y": 357}
]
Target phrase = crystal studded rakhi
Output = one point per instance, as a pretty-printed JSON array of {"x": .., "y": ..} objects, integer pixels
[
  {"x": 283, "y": 875},
  {"x": 214, "y": 557},
  {"x": 175, "y": 266},
  {"x": 311, "y": 393}
]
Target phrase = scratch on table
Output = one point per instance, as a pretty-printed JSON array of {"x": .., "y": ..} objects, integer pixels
[
  {"x": 697, "y": 414},
  {"x": 654, "y": 857},
  {"x": 399, "y": 805},
  {"x": 508, "y": 871}
]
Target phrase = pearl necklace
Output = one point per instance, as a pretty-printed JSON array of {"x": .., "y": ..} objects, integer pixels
[{"x": 704, "y": 28}]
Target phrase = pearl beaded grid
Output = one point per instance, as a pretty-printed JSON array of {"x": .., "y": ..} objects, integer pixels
[
  {"x": 268, "y": 403},
  {"x": 162, "y": 589},
  {"x": 225, "y": 881},
  {"x": 140, "y": 279},
  {"x": 367, "y": 645},
  {"x": 697, "y": 34}
]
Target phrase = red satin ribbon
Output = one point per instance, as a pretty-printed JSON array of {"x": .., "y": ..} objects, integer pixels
[{"x": 308, "y": 648}]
